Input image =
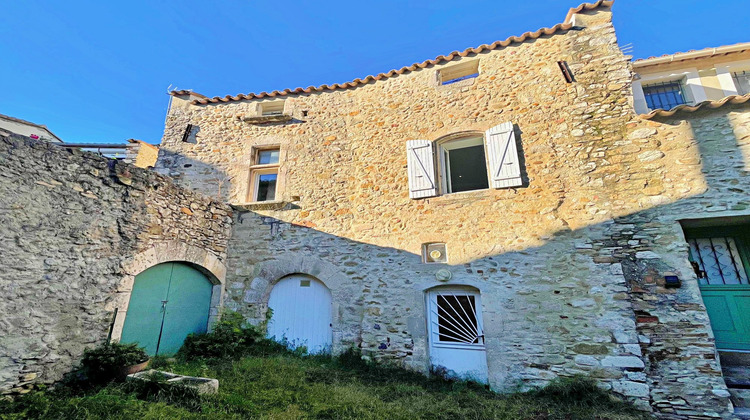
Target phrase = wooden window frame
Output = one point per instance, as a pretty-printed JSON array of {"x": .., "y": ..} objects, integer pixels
[
  {"x": 257, "y": 169},
  {"x": 443, "y": 167}
]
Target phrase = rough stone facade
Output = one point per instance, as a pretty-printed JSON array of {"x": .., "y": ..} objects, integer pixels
[
  {"x": 570, "y": 266},
  {"x": 76, "y": 229}
]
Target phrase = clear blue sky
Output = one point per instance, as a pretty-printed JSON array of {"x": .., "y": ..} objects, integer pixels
[{"x": 98, "y": 71}]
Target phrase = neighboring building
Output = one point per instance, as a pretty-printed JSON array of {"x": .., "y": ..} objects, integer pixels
[
  {"x": 502, "y": 214},
  {"x": 137, "y": 152},
  {"x": 691, "y": 77},
  {"x": 28, "y": 129}
]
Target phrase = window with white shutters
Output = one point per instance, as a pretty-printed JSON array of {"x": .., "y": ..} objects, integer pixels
[
  {"x": 502, "y": 155},
  {"x": 420, "y": 160},
  {"x": 464, "y": 164}
]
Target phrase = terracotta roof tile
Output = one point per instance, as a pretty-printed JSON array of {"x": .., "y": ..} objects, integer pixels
[
  {"x": 439, "y": 59},
  {"x": 731, "y": 100}
]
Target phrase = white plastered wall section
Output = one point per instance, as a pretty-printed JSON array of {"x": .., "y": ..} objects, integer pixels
[
  {"x": 690, "y": 78},
  {"x": 724, "y": 74}
]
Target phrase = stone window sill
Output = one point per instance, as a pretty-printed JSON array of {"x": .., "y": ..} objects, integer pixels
[
  {"x": 264, "y": 205},
  {"x": 267, "y": 119}
]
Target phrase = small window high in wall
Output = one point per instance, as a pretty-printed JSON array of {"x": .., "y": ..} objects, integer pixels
[
  {"x": 268, "y": 109},
  {"x": 459, "y": 72}
]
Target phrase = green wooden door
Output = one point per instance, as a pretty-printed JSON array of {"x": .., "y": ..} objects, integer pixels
[
  {"x": 168, "y": 302},
  {"x": 721, "y": 258}
]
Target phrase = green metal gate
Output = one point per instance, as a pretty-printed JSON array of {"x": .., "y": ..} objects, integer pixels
[
  {"x": 721, "y": 258},
  {"x": 168, "y": 302}
]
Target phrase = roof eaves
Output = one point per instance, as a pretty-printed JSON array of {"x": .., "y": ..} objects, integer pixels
[
  {"x": 560, "y": 27},
  {"x": 729, "y": 100},
  {"x": 692, "y": 54}
]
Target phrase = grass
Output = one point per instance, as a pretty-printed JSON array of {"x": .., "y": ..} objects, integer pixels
[{"x": 289, "y": 386}]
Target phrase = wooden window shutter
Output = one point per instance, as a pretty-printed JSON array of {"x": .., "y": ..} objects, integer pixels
[
  {"x": 421, "y": 164},
  {"x": 502, "y": 154}
]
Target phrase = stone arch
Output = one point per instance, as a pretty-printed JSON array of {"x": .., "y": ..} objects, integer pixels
[
  {"x": 171, "y": 251},
  {"x": 455, "y": 135},
  {"x": 345, "y": 292}
]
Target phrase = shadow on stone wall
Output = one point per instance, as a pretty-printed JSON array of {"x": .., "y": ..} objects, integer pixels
[{"x": 588, "y": 300}]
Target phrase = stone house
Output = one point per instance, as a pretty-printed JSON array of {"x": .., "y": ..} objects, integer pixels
[{"x": 509, "y": 213}]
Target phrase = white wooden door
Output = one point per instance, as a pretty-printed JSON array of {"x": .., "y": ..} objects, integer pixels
[
  {"x": 456, "y": 337},
  {"x": 301, "y": 314}
]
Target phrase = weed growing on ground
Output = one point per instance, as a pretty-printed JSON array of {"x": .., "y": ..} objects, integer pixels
[{"x": 263, "y": 379}]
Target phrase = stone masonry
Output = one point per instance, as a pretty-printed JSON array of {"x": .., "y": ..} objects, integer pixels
[
  {"x": 76, "y": 229},
  {"x": 570, "y": 265}
]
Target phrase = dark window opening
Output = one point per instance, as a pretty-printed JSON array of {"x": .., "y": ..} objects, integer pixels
[
  {"x": 266, "y": 187},
  {"x": 467, "y": 169}
]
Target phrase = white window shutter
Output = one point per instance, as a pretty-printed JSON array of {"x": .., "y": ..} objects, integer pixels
[
  {"x": 421, "y": 164},
  {"x": 502, "y": 154}
]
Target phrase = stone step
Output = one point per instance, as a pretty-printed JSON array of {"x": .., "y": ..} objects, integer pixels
[
  {"x": 740, "y": 398},
  {"x": 742, "y": 413},
  {"x": 736, "y": 376}
]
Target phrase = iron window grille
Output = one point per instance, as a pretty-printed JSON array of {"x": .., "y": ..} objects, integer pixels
[
  {"x": 717, "y": 261},
  {"x": 742, "y": 81},
  {"x": 665, "y": 95},
  {"x": 455, "y": 319}
]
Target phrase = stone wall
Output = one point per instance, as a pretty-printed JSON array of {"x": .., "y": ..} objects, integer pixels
[
  {"x": 569, "y": 265},
  {"x": 76, "y": 228}
]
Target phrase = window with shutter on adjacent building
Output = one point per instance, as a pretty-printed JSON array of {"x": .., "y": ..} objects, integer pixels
[
  {"x": 665, "y": 95},
  {"x": 742, "y": 81},
  {"x": 464, "y": 164}
]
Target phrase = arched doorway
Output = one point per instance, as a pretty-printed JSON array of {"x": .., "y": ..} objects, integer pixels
[
  {"x": 301, "y": 313},
  {"x": 168, "y": 302},
  {"x": 456, "y": 333}
]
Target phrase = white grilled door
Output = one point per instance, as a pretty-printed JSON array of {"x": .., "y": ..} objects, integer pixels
[
  {"x": 456, "y": 335},
  {"x": 302, "y": 314}
]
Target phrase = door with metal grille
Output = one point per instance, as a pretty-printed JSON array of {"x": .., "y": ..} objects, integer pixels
[
  {"x": 168, "y": 302},
  {"x": 720, "y": 257},
  {"x": 456, "y": 337}
]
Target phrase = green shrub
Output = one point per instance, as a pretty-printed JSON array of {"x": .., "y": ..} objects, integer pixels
[
  {"x": 230, "y": 338},
  {"x": 104, "y": 364}
]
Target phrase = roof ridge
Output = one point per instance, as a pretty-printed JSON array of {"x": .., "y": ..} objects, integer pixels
[
  {"x": 731, "y": 99},
  {"x": 441, "y": 58}
]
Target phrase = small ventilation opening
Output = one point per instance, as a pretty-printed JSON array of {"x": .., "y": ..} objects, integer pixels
[
  {"x": 458, "y": 72},
  {"x": 187, "y": 133},
  {"x": 567, "y": 73},
  {"x": 304, "y": 283},
  {"x": 434, "y": 253}
]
